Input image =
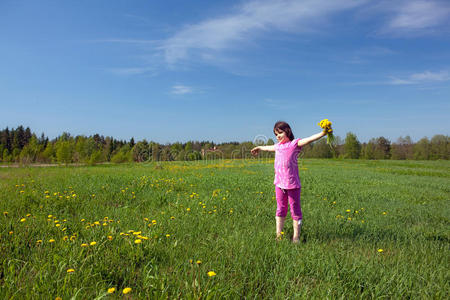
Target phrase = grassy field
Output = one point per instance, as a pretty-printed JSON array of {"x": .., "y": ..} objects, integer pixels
[{"x": 372, "y": 229}]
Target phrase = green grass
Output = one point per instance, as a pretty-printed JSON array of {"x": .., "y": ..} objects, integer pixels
[{"x": 222, "y": 213}]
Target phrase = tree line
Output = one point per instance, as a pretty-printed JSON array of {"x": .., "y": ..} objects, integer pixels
[{"x": 20, "y": 145}]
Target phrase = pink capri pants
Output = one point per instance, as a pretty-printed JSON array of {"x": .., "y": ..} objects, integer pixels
[{"x": 291, "y": 195}]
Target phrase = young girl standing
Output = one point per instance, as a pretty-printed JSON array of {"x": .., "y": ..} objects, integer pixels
[{"x": 287, "y": 180}]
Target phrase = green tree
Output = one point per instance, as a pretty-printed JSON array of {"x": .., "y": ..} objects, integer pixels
[
  {"x": 422, "y": 149},
  {"x": 440, "y": 147},
  {"x": 48, "y": 155},
  {"x": 141, "y": 151},
  {"x": 96, "y": 157},
  {"x": 15, "y": 155},
  {"x": 64, "y": 152},
  {"x": 6, "y": 156},
  {"x": 320, "y": 149},
  {"x": 81, "y": 149},
  {"x": 30, "y": 151},
  {"x": 352, "y": 147},
  {"x": 368, "y": 149},
  {"x": 382, "y": 148},
  {"x": 188, "y": 147},
  {"x": 123, "y": 155}
]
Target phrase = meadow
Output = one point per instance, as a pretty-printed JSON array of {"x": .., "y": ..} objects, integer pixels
[{"x": 206, "y": 230}]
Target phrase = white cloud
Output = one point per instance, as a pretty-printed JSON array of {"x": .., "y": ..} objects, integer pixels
[
  {"x": 131, "y": 71},
  {"x": 410, "y": 17},
  {"x": 212, "y": 41},
  {"x": 181, "y": 90},
  {"x": 418, "y": 78},
  {"x": 248, "y": 22},
  {"x": 126, "y": 41},
  {"x": 415, "y": 15}
]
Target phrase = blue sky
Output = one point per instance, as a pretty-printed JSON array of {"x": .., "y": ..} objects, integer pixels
[{"x": 225, "y": 70}]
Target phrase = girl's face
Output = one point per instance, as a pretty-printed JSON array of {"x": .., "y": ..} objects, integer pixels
[{"x": 281, "y": 136}]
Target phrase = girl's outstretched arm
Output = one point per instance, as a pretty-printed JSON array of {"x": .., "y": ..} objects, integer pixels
[
  {"x": 315, "y": 137},
  {"x": 256, "y": 150}
]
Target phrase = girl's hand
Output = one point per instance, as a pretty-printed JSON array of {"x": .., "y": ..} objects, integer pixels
[
  {"x": 255, "y": 150},
  {"x": 327, "y": 130}
]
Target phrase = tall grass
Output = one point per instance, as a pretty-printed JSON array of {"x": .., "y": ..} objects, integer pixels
[{"x": 372, "y": 229}]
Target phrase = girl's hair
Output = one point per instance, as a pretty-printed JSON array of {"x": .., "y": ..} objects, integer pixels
[{"x": 283, "y": 126}]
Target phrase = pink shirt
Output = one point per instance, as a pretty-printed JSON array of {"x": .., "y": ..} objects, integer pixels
[{"x": 286, "y": 165}]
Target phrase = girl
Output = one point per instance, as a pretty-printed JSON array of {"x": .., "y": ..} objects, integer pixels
[{"x": 287, "y": 180}]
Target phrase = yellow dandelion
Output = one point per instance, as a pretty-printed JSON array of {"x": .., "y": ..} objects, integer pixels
[
  {"x": 82, "y": 220},
  {"x": 137, "y": 232},
  {"x": 384, "y": 213},
  {"x": 84, "y": 245},
  {"x": 211, "y": 273},
  {"x": 5, "y": 213},
  {"x": 199, "y": 262},
  {"x": 70, "y": 270},
  {"x": 348, "y": 210},
  {"x": 153, "y": 221},
  {"x": 110, "y": 237},
  {"x": 65, "y": 238},
  {"x": 172, "y": 218},
  {"x": 93, "y": 243},
  {"x": 11, "y": 232},
  {"x": 188, "y": 209},
  {"x": 380, "y": 250},
  {"x": 126, "y": 290},
  {"x": 51, "y": 240},
  {"x": 167, "y": 235},
  {"x": 111, "y": 290},
  {"x": 138, "y": 241},
  {"x": 146, "y": 219},
  {"x": 28, "y": 215},
  {"x": 72, "y": 238},
  {"x": 38, "y": 241},
  {"x": 58, "y": 298},
  {"x": 23, "y": 220}
]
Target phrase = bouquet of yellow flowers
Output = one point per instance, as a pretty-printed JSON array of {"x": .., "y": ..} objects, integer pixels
[{"x": 326, "y": 126}]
